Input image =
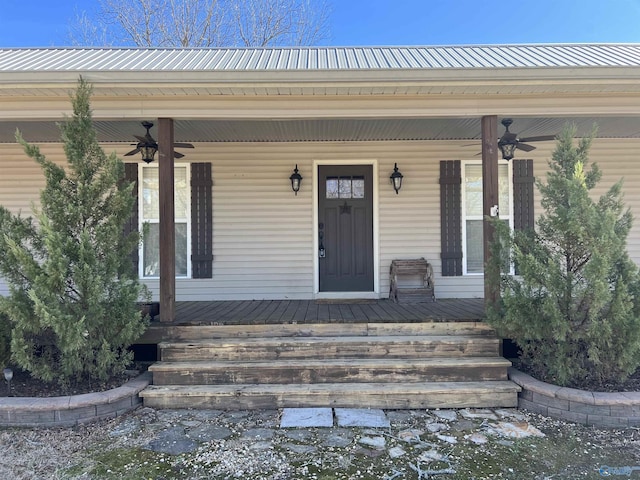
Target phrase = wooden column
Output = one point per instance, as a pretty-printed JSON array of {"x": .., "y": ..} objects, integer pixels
[
  {"x": 167, "y": 221},
  {"x": 490, "y": 195}
]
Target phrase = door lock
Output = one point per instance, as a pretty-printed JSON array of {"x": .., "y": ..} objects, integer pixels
[{"x": 321, "y": 251}]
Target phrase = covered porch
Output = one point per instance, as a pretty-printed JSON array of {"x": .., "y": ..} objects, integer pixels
[{"x": 255, "y": 116}]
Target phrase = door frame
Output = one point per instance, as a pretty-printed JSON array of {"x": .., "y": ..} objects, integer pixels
[{"x": 376, "y": 248}]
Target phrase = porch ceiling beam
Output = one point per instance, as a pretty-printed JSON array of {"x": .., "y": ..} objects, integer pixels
[
  {"x": 167, "y": 220},
  {"x": 490, "y": 195}
]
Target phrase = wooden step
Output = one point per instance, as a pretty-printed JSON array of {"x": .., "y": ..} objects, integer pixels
[
  {"x": 331, "y": 371},
  {"x": 254, "y": 349},
  {"x": 354, "y": 395},
  {"x": 158, "y": 333}
]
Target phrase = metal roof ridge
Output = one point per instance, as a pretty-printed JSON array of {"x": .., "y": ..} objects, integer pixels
[{"x": 332, "y": 47}]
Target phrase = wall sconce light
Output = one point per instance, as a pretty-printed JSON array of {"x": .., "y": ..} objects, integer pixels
[
  {"x": 396, "y": 179},
  {"x": 296, "y": 180}
]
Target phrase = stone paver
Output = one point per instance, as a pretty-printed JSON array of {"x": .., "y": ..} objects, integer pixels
[
  {"x": 172, "y": 441},
  {"x": 375, "y": 442},
  {"x": 361, "y": 417},
  {"x": 336, "y": 438},
  {"x": 437, "y": 427},
  {"x": 208, "y": 433},
  {"x": 306, "y": 417},
  {"x": 448, "y": 415}
]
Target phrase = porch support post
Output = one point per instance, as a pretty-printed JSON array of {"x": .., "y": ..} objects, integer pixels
[
  {"x": 490, "y": 197},
  {"x": 167, "y": 221}
]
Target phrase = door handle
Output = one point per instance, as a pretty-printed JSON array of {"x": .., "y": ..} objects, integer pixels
[{"x": 321, "y": 251}]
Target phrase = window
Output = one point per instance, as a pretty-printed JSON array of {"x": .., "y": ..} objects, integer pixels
[
  {"x": 345, "y": 187},
  {"x": 472, "y": 219},
  {"x": 149, "y": 213}
]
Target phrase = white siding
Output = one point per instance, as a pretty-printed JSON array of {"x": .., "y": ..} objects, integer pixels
[{"x": 263, "y": 233}]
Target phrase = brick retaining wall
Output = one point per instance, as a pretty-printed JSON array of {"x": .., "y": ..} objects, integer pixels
[
  {"x": 599, "y": 409},
  {"x": 74, "y": 409}
]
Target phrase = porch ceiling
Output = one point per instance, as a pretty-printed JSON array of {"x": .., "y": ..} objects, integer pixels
[{"x": 311, "y": 130}]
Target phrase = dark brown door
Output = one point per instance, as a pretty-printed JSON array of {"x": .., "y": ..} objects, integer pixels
[{"x": 345, "y": 228}]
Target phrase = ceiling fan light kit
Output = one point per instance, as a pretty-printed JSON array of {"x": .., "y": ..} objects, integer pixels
[
  {"x": 509, "y": 142},
  {"x": 148, "y": 147}
]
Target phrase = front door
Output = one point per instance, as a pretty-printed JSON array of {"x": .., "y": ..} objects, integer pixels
[{"x": 345, "y": 228}]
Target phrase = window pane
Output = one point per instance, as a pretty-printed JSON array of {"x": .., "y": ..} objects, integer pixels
[
  {"x": 182, "y": 196},
  {"x": 345, "y": 187},
  {"x": 332, "y": 187},
  {"x": 503, "y": 187},
  {"x": 150, "y": 193},
  {"x": 475, "y": 248},
  {"x": 358, "y": 187},
  {"x": 150, "y": 203},
  {"x": 151, "y": 249},
  {"x": 473, "y": 190}
]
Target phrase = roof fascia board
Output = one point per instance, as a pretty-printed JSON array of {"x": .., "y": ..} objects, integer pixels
[{"x": 324, "y": 77}]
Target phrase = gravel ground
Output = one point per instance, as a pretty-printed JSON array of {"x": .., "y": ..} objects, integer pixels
[{"x": 424, "y": 444}]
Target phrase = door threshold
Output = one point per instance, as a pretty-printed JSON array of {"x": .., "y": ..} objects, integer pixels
[
  {"x": 344, "y": 296},
  {"x": 338, "y": 301}
]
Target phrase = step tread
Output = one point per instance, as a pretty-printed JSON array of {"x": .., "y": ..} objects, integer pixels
[
  {"x": 284, "y": 341},
  {"x": 492, "y": 386},
  {"x": 204, "y": 365},
  {"x": 156, "y": 334}
]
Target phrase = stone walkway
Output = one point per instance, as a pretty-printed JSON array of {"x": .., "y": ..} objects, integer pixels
[
  {"x": 328, "y": 444},
  {"x": 289, "y": 443},
  {"x": 189, "y": 429}
]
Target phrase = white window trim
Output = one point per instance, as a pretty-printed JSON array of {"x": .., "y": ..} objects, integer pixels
[
  {"x": 142, "y": 221},
  {"x": 463, "y": 203}
]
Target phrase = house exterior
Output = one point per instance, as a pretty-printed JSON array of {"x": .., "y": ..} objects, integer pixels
[{"x": 343, "y": 117}]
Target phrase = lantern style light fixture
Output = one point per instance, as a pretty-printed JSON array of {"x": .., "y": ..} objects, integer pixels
[
  {"x": 146, "y": 145},
  {"x": 396, "y": 179},
  {"x": 507, "y": 147},
  {"x": 296, "y": 180}
]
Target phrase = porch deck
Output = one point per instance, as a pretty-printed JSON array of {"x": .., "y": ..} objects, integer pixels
[
  {"x": 283, "y": 312},
  {"x": 260, "y": 312}
]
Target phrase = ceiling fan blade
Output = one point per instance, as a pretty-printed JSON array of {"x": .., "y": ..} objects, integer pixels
[
  {"x": 141, "y": 139},
  {"x": 524, "y": 147},
  {"x": 183, "y": 145},
  {"x": 177, "y": 155},
  {"x": 132, "y": 152},
  {"x": 541, "y": 138}
]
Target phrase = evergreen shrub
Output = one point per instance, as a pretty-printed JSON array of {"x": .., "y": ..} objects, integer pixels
[
  {"x": 573, "y": 306},
  {"x": 73, "y": 291}
]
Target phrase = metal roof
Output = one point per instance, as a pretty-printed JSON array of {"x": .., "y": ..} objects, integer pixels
[{"x": 318, "y": 58}]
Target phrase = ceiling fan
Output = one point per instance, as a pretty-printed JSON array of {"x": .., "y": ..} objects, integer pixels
[
  {"x": 510, "y": 141},
  {"x": 148, "y": 147}
]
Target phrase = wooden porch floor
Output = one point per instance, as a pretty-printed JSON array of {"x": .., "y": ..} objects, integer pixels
[{"x": 259, "y": 312}]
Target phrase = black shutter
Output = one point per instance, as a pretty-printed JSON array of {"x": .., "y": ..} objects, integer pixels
[
  {"x": 450, "y": 218},
  {"x": 131, "y": 175},
  {"x": 201, "y": 221},
  {"x": 523, "y": 182}
]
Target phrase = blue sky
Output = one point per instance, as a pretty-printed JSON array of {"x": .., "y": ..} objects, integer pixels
[{"x": 43, "y": 23}]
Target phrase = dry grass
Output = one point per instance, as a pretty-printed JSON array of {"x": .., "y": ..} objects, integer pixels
[{"x": 40, "y": 453}]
